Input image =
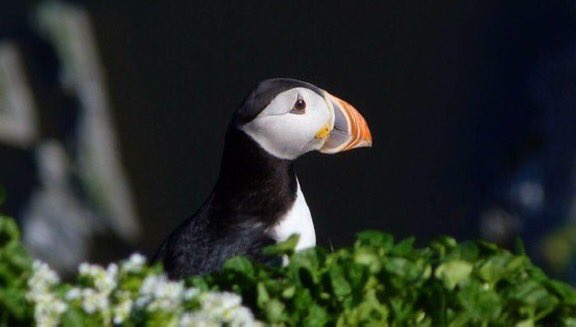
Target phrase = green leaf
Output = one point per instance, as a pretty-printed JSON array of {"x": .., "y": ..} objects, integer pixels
[
  {"x": 499, "y": 266},
  {"x": 72, "y": 317},
  {"x": 286, "y": 247},
  {"x": 368, "y": 257},
  {"x": 519, "y": 247},
  {"x": 469, "y": 251},
  {"x": 272, "y": 308},
  {"x": 404, "y": 247},
  {"x": 569, "y": 321},
  {"x": 525, "y": 323},
  {"x": 374, "y": 238},
  {"x": 443, "y": 245},
  {"x": 240, "y": 264},
  {"x": 9, "y": 233},
  {"x": 481, "y": 304},
  {"x": 398, "y": 266},
  {"x": 370, "y": 312},
  {"x": 317, "y": 316},
  {"x": 340, "y": 285},
  {"x": 532, "y": 293},
  {"x": 454, "y": 272},
  {"x": 564, "y": 291},
  {"x": 305, "y": 266},
  {"x": 289, "y": 292}
]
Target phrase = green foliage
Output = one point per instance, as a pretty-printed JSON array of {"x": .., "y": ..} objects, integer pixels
[
  {"x": 375, "y": 282},
  {"x": 378, "y": 282},
  {"x": 15, "y": 267}
]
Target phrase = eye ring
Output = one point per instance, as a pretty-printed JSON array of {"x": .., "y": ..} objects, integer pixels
[{"x": 299, "y": 107}]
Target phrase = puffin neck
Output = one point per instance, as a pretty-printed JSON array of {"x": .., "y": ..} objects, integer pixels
[{"x": 252, "y": 182}]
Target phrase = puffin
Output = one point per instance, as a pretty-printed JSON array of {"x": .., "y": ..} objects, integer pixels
[{"x": 257, "y": 200}]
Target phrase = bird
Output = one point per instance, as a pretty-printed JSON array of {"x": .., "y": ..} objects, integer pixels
[{"x": 257, "y": 200}]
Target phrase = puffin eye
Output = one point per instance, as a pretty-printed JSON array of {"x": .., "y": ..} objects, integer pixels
[{"x": 299, "y": 106}]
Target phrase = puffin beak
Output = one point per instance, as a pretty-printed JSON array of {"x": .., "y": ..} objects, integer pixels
[{"x": 350, "y": 130}]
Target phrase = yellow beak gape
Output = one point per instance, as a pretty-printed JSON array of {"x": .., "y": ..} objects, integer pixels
[{"x": 323, "y": 132}]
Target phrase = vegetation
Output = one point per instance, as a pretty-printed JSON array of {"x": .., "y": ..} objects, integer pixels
[{"x": 376, "y": 282}]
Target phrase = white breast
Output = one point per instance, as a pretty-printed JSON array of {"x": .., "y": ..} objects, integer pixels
[{"x": 297, "y": 220}]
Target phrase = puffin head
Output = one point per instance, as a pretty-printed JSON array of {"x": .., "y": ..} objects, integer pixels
[{"x": 289, "y": 118}]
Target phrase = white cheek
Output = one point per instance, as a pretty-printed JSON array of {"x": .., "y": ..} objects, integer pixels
[
  {"x": 286, "y": 136},
  {"x": 281, "y": 135}
]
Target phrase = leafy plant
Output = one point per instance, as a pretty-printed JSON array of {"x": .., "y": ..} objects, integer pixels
[
  {"x": 375, "y": 282},
  {"x": 15, "y": 267},
  {"x": 129, "y": 293},
  {"x": 378, "y": 282}
]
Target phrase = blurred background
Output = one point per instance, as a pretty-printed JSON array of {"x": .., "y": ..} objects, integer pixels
[{"x": 112, "y": 118}]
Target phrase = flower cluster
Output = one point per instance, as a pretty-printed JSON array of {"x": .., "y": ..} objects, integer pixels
[
  {"x": 95, "y": 290},
  {"x": 48, "y": 307},
  {"x": 218, "y": 309},
  {"x": 128, "y": 292}
]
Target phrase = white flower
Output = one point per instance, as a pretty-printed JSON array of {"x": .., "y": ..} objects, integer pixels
[
  {"x": 197, "y": 319},
  {"x": 191, "y": 293},
  {"x": 96, "y": 296},
  {"x": 134, "y": 264},
  {"x": 158, "y": 293},
  {"x": 43, "y": 277},
  {"x": 74, "y": 293},
  {"x": 94, "y": 301},
  {"x": 242, "y": 316},
  {"x": 218, "y": 309},
  {"x": 104, "y": 280},
  {"x": 47, "y": 313},
  {"x": 219, "y": 305},
  {"x": 86, "y": 269},
  {"x": 47, "y": 306},
  {"x": 122, "y": 309}
]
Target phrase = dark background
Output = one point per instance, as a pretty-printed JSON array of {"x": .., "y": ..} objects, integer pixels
[{"x": 446, "y": 87}]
